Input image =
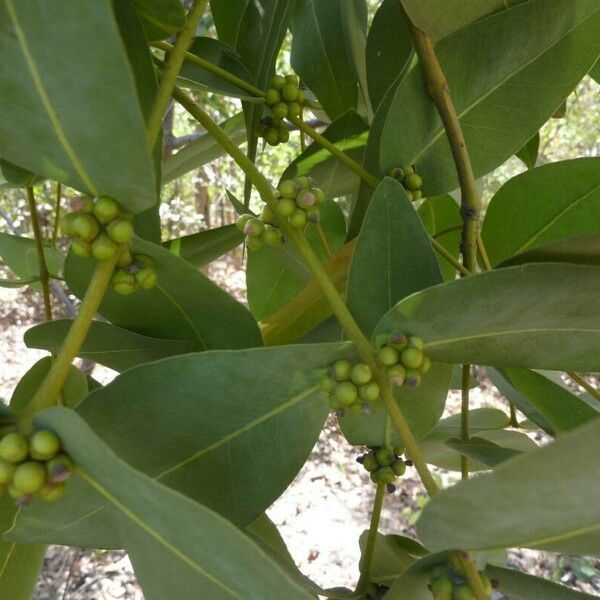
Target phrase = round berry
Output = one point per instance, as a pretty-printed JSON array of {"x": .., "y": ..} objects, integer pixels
[
  {"x": 397, "y": 173},
  {"x": 425, "y": 365},
  {"x": 408, "y": 170},
  {"x": 396, "y": 374},
  {"x": 241, "y": 221},
  {"x": 463, "y": 592},
  {"x": 414, "y": 341},
  {"x": 292, "y": 80},
  {"x": 370, "y": 462},
  {"x": 381, "y": 340},
  {"x": 298, "y": 219},
  {"x": 294, "y": 109},
  {"x": 303, "y": 183},
  {"x": 66, "y": 224},
  {"x": 287, "y": 188},
  {"x": 361, "y": 373},
  {"x": 387, "y": 356},
  {"x": 272, "y": 236},
  {"x": 271, "y": 136},
  {"x": 398, "y": 467},
  {"x": 327, "y": 384},
  {"x": 254, "y": 227},
  {"x": 81, "y": 248},
  {"x": 267, "y": 215},
  {"x": 306, "y": 199},
  {"x": 14, "y": 447},
  {"x": 341, "y": 370},
  {"x": 103, "y": 248},
  {"x": 285, "y": 207},
  {"x": 319, "y": 195},
  {"x": 7, "y": 471},
  {"x": 272, "y": 96},
  {"x": 369, "y": 392},
  {"x": 51, "y": 492},
  {"x": 413, "y": 182},
  {"x": 411, "y": 358},
  {"x": 141, "y": 260},
  {"x": 399, "y": 450},
  {"x": 86, "y": 227},
  {"x": 398, "y": 340},
  {"x": 125, "y": 257},
  {"x": 123, "y": 282},
  {"x": 346, "y": 393},
  {"x": 82, "y": 204},
  {"x": 301, "y": 98},
  {"x": 384, "y": 456},
  {"x": 59, "y": 468},
  {"x": 441, "y": 588},
  {"x": 413, "y": 378},
  {"x": 313, "y": 215},
  {"x": 120, "y": 231},
  {"x": 415, "y": 195},
  {"x": 385, "y": 475},
  {"x": 280, "y": 110},
  {"x": 44, "y": 445},
  {"x": 355, "y": 409},
  {"x": 278, "y": 81},
  {"x": 253, "y": 243},
  {"x": 106, "y": 209},
  {"x": 29, "y": 477}
]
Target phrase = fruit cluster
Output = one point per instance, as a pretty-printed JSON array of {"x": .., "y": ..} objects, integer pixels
[
  {"x": 284, "y": 99},
  {"x": 449, "y": 583},
  {"x": 403, "y": 358},
  {"x": 350, "y": 387},
  {"x": 411, "y": 181},
  {"x": 260, "y": 230},
  {"x": 384, "y": 465},
  {"x": 97, "y": 227},
  {"x": 34, "y": 466}
]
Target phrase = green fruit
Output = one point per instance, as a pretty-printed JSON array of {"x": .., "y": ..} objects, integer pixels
[
  {"x": 278, "y": 81},
  {"x": 267, "y": 215},
  {"x": 361, "y": 373},
  {"x": 399, "y": 450},
  {"x": 413, "y": 182},
  {"x": 272, "y": 236},
  {"x": 414, "y": 341},
  {"x": 355, "y": 409},
  {"x": 120, "y": 231},
  {"x": 374, "y": 477},
  {"x": 7, "y": 471},
  {"x": 369, "y": 392},
  {"x": 411, "y": 358},
  {"x": 284, "y": 134},
  {"x": 271, "y": 136},
  {"x": 86, "y": 227},
  {"x": 408, "y": 170},
  {"x": 301, "y": 97},
  {"x": 313, "y": 215},
  {"x": 82, "y": 204},
  {"x": 285, "y": 207},
  {"x": 298, "y": 219},
  {"x": 106, "y": 209},
  {"x": 487, "y": 583},
  {"x": 441, "y": 588},
  {"x": 397, "y": 173},
  {"x": 346, "y": 393},
  {"x": 319, "y": 195},
  {"x": 387, "y": 356},
  {"x": 125, "y": 257},
  {"x": 103, "y": 248},
  {"x": 370, "y": 462},
  {"x": 66, "y": 224},
  {"x": 398, "y": 467},
  {"x": 306, "y": 199},
  {"x": 396, "y": 374},
  {"x": 384, "y": 456},
  {"x": 44, "y": 445},
  {"x": 398, "y": 340},
  {"x": 381, "y": 340},
  {"x": 287, "y": 188},
  {"x": 29, "y": 477},
  {"x": 59, "y": 468},
  {"x": 14, "y": 447},
  {"x": 13, "y": 492},
  {"x": 294, "y": 109},
  {"x": 425, "y": 365},
  {"x": 303, "y": 183},
  {"x": 81, "y": 248},
  {"x": 241, "y": 221},
  {"x": 327, "y": 384},
  {"x": 254, "y": 227},
  {"x": 141, "y": 260},
  {"x": 463, "y": 592},
  {"x": 385, "y": 475},
  {"x": 272, "y": 96},
  {"x": 253, "y": 243},
  {"x": 341, "y": 370},
  {"x": 123, "y": 282},
  {"x": 413, "y": 378},
  {"x": 292, "y": 80},
  {"x": 52, "y": 492},
  {"x": 280, "y": 110},
  {"x": 415, "y": 195}
]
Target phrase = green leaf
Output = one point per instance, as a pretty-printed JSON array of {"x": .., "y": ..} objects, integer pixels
[
  {"x": 203, "y": 150},
  {"x": 548, "y": 204},
  {"x": 221, "y": 55},
  {"x": 161, "y": 18},
  {"x": 272, "y": 280},
  {"x": 237, "y": 432},
  {"x": 595, "y": 72},
  {"x": 581, "y": 250},
  {"x": 521, "y": 586},
  {"x": 102, "y": 150},
  {"x": 496, "y": 108},
  {"x": 74, "y": 390},
  {"x": 529, "y": 152},
  {"x": 554, "y": 488},
  {"x": 154, "y": 524},
  {"x": 539, "y": 316},
  {"x": 480, "y": 419},
  {"x": 319, "y": 54},
  {"x": 183, "y": 305},
  {"x": 227, "y": 15},
  {"x": 203, "y": 247},
  {"x": 17, "y": 283},
  {"x": 389, "y": 49},
  {"x": 456, "y": 379},
  {"x": 16, "y": 176},
  {"x": 483, "y": 451},
  {"x": 349, "y": 133},
  {"x": 20, "y": 564},
  {"x": 106, "y": 344},
  {"x": 537, "y": 395}
]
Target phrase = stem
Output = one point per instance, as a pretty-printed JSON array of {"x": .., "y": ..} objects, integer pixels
[
  {"x": 338, "y": 306},
  {"x": 48, "y": 392},
  {"x": 171, "y": 70},
  {"x": 56, "y": 212},
  {"x": 472, "y": 574},
  {"x": 584, "y": 384},
  {"x": 464, "y": 418},
  {"x": 208, "y": 66},
  {"x": 448, "y": 256},
  {"x": 372, "y": 537},
  {"x": 446, "y": 231},
  {"x": 514, "y": 422},
  {"x": 335, "y": 151},
  {"x": 42, "y": 266},
  {"x": 487, "y": 265},
  {"x": 324, "y": 241}
]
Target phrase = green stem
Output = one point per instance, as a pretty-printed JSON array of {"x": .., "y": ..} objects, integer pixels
[
  {"x": 42, "y": 266},
  {"x": 484, "y": 255},
  {"x": 367, "y": 559},
  {"x": 324, "y": 241},
  {"x": 446, "y": 231},
  {"x": 464, "y": 418},
  {"x": 448, "y": 256},
  {"x": 371, "y": 180},
  {"x": 208, "y": 66},
  {"x": 49, "y": 391},
  {"x": 330, "y": 292},
  {"x": 56, "y": 212},
  {"x": 584, "y": 384},
  {"x": 472, "y": 574},
  {"x": 514, "y": 422},
  {"x": 171, "y": 70}
]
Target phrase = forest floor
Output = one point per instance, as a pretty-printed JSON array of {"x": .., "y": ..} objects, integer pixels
[{"x": 320, "y": 516}]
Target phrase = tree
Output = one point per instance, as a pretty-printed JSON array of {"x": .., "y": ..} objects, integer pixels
[{"x": 212, "y": 415}]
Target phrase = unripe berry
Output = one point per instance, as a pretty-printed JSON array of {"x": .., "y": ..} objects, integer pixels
[
  {"x": 384, "y": 456},
  {"x": 341, "y": 370},
  {"x": 82, "y": 204},
  {"x": 370, "y": 462},
  {"x": 385, "y": 475},
  {"x": 267, "y": 215},
  {"x": 7, "y": 471},
  {"x": 294, "y": 109},
  {"x": 123, "y": 282},
  {"x": 103, "y": 248},
  {"x": 327, "y": 384},
  {"x": 399, "y": 449},
  {"x": 141, "y": 260},
  {"x": 398, "y": 340},
  {"x": 29, "y": 477},
  {"x": 441, "y": 588},
  {"x": 355, "y": 409},
  {"x": 280, "y": 110},
  {"x": 303, "y": 183},
  {"x": 313, "y": 215},
  {"x": 414, "y": 341},
  {"x": 298, "y": 219},
  {"x": 271, "y": 136},
  {"x": 253, "y": 243},
  {"x": 415, "y": 195},
  {"x": 289, "y": 92},
  {"x": 106, "y": 209},
  {"x": 301, "y": 98},
  {"x": 413, "y": 378},
  {"x": 52, "y": 492},
  {"x": 369, "y": 392},
  {"x": 319, "y": 195},
  {"x": 361, "y": 373},
  {"x": 396, "y": 374},
  {"x": 285, "y": 207},
  {"x": 272, "y": 96},
  {"x": 381, "y": 339},
  {"x": 408, "y": 170},
  {"x": 125, "y": 257},
  {"x": 346, "y": 393},
  {"x": 14, "y": 447},
  {"x": 287, "y": 188},
  {"x": 306, "y": 199},
  {"x": 272, "y": 236},
  {"x": 292, "y": 80},
  {"x": 241, "y": 221},
  {"x": 278, "y": 82},
  {"x": 253, "y": 227},
  {"x": 66, "y": 224},
  {"x": 398, "y": 467},
  {"x": 425, "y": 365},
  {"x": 120, "y": 231},
  {"x": 86, "y": 227},
  {"x": 411, "y": 358},
  {"x": 59, "y": 468},
  {"x": 283, "y": 133},
  {"x": 397, "y": 173},
  {"x": 387, "y": 356},
  {"x": 81, "y": 248},
  {"x": 44, "y": 445},
  {"x": 413, "y": 182},
  {"x": 463, "y": 592}
]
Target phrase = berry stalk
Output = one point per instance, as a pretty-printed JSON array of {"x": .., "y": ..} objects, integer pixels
[{"x": 365, "y": 567}]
